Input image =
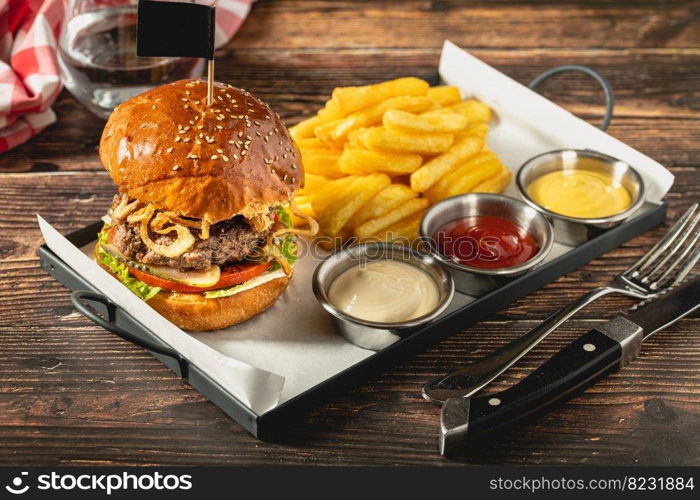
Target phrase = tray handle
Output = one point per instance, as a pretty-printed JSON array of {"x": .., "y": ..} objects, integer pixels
[
  {"x": 79, "y": 299},
  {"x": 607, "y": 89}
]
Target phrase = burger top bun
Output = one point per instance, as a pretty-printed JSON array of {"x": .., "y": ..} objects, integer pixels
[{"x": 166, "y": 147}]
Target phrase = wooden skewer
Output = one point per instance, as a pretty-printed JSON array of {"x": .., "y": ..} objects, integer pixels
[{"x": 210, "y": 82}]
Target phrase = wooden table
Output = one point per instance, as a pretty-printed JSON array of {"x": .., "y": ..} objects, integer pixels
[{"x": 70, "y": 393}]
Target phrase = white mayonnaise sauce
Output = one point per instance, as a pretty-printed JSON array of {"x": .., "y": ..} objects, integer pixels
[{"x": 384, "y": 291}]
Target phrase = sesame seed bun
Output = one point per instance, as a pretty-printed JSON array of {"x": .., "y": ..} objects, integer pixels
[
  {"x": 168, "y": 148},
  {"x": 193, "y": 311}
]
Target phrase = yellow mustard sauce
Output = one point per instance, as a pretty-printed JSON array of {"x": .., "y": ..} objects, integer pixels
[{"x": 580, "y": 193}]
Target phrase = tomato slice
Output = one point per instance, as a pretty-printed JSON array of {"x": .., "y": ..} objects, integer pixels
[{"x": 234, "y": 274}]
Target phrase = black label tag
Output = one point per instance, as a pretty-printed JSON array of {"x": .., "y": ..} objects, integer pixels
[{"x": 175, "y": 29}]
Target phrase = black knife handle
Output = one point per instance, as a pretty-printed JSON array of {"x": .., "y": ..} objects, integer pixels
[{"x": 579, "y": 364}]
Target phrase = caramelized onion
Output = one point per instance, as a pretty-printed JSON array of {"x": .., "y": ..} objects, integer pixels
[
  {"x": 311, "y": 230},
  {"x": 176, "y": 219},
  {"x": 204, "y": 232},
  {"x": 142, "y": 213},
  {"x": 274, "y": 251},
  {"x": 123, "y": 208},
  {"x": 203, "y": 225},
  {"x": 182, "y": 243},
  {"x": 260, "y": 222}
]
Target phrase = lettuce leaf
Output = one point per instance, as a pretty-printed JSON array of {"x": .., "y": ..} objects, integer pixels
[
  {"x": 121, "y": 271},
  {"x": 288, "y": 248},
  {"x": 103, "y": 236},
  {"x": 284, "y": 216}
]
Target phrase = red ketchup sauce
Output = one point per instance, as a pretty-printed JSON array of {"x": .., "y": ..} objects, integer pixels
[{"x": 485, "y": 242}]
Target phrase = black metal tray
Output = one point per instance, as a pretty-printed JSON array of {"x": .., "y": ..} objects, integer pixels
[{"x": 266, "y": 426}]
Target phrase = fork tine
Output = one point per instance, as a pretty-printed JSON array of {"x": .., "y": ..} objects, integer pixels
[
  {"x": 660, "y": 247},
  {"x": 681, "y": 266},
  {"x": 678, "y": 245},
  {"x": 687, "y": 267}
]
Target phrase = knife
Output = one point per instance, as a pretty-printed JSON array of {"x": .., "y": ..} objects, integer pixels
[{"x": 587, "y": 359}]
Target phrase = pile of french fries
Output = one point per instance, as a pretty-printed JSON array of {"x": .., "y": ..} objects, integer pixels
[{"x": 376, "y": 157}]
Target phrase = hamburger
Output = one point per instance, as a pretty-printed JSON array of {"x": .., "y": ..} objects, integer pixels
[{"x": 201, "y": 228}]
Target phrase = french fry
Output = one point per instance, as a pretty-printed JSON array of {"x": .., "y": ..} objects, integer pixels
[
  {"x": 404, "y": 210},
  {"x": 304, "y": 206},
  {"x": 322, "y": 162},
  {"x": 403, "y": 231},
  {"x": 337, "y": 131},
  {"x": 468, "y": 182},
  {"x": 428, "y": 122},
  {"x": 495, "y": 184},
  {"x": 305, "y": 128},
  {"x": 368, "y": 144},
  {"x": 324, "y": 133},
  {"x": 361, "y": 161},
  {"x": 475, "y": 111},
  {"x": 332, "y": 243},
  {"x": 342, "y": 208},
  {"x": 310, "y": 143},
  {"x": 463, "y": 134},
  {"x": 360, "y": 136},
  {"x": 427, "y": 175},
  {"x": 340, "y": 129},
  {"x": 330, "y": 111},
  {"x": 352, "y": 99},
  {"x": 444, "y": 95},
  {"x": 313, "y": 182},
  {"x": 303, "y": 203},
  {"x": 320, "y": 198},
  {"x": 386, "y": 200},
  {"x": 383, "y": 139},
  {"x": 354, "y": 138},
  {"x": 434, "y": 194}
]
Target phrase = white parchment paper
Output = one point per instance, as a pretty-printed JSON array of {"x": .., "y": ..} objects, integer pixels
[
  {"x": 256, "y": 388},
  {"x": 293, "y": 346},
  {"x": 527, "y": 124}
]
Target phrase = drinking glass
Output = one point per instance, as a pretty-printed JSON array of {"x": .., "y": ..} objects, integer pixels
[{"x": 97, "y": 55}]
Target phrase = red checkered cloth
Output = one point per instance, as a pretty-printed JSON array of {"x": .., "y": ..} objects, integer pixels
[{"x": 29, "y": 75}]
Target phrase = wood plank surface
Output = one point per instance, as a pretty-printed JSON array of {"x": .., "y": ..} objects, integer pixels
[
  {"x": 73, "y": 394},
  {"x": 657, "y": 96},
  {"x": 511, "y": 24}
]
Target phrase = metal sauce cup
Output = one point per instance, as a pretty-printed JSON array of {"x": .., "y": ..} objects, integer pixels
[
  {"x": 370, "y": 334},
  {"x": 478, "y": 281},
  {"x": 573, "y": 230}
]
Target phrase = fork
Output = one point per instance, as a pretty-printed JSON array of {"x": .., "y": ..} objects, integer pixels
[{"x": 664, "y": 266}]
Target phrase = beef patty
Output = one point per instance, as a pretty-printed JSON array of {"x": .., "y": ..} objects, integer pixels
[{"x": 228, "y": 241}]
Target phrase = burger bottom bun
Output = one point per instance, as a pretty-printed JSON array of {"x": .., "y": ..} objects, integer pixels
[{"x": 193, "y": 311}]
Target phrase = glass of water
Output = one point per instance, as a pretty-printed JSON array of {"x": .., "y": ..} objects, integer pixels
[{"x": 97, "y": 56}]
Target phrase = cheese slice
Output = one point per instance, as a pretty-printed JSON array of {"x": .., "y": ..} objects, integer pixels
[{"x": 251, "y": 283}]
